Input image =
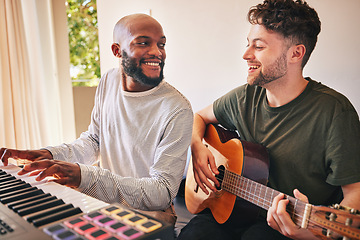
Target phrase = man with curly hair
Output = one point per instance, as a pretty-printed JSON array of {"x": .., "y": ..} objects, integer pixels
[{"x": 311, "y": 132}]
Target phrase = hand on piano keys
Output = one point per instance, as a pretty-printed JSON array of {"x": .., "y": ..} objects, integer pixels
[
  {"x": 31, "y": 198},
  {"x": 23, "y": 156},
  {"x": 61, "y": 172}
]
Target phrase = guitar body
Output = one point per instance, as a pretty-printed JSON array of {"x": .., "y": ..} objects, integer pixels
[{"x": 244, "y": 158}]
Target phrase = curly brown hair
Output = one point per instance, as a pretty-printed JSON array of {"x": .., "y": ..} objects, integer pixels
[{"x": 295, "y": 20}]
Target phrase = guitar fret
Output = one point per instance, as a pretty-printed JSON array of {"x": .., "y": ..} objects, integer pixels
[
  {"x": 243, "y": 188},
  {"x": 247, "y": 190},
  {"x": 264, "y": 205},
  {"x": 262, "y": 198},
  {"x": 250, "y": 195},
  {"x": 293, "y": 213},
  {"x": 255, "y": 195}
]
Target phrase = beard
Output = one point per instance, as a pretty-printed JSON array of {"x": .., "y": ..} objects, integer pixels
[
  {"x": 275, "y": 71},
  {"x": 133, "y": 70}
]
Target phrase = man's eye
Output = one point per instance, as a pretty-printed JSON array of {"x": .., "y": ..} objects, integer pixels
[
  {"x": 259, "y": 47},
  {"x": 161, "y": 45}
]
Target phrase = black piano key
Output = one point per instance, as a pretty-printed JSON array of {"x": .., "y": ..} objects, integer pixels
[
  {"x": 7, "y": 185},
  {"x": 32, "y": 203},
  {"x": 14, "y": 188},
  {"x": 5, "y": 195},
  {"x": 33, "y": 191},
  {"x": 56, "y": 216},
  {"x": 10, "y": 181},
  {"x": 39, "y": 207},
  {"x": 2, "y": 172},
  {"x": 48, "y": 212},
  {"x": 29, "y": 199},
  {"x": 6, "y": 177}
]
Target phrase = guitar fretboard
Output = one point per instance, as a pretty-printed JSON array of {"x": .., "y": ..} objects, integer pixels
[{"x": 259, "y": 194}]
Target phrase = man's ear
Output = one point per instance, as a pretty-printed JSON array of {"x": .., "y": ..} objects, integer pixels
[
  {"x": 115, "y": 47},
  {"x": 297, "y": 53}
]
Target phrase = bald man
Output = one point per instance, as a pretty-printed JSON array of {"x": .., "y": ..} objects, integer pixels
[{"x": 135, "y": 149}]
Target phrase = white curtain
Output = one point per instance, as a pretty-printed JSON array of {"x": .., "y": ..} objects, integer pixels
[{"x": 30, "y": 90}]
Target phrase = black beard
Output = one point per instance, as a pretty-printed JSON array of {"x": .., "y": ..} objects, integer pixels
[{"x": 132, "y": 70}]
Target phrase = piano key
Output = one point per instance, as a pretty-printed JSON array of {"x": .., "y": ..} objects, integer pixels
[
  {"x": 4, "y": 174},
  {"x": 32, "y": 217},
  {"x": 56, "y": 216},
  {"x": 10, "y": 181},
  {"x": 20, "y": 196},
  {"x": 11, "y": 184},
  {"x": 14, "y": 187},
  {"x": 40, "y": 206},
  {"x": 17, "y": 192},
  {"x": 32, "y": 203},
  {"x": 28, "y": 199},
  {"x": 6, "y": 177}
]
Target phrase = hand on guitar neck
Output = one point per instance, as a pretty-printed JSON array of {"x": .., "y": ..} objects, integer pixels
[{"x": 279, "y": 219}]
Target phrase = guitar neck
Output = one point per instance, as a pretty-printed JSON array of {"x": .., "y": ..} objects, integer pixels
[{"x": 260, "y": 195}]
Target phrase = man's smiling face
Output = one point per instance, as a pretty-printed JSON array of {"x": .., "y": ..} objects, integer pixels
[{"x": 143, "y": 54}]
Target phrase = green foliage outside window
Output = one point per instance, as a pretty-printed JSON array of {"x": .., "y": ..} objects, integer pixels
[{"x": 83, "y": 42}]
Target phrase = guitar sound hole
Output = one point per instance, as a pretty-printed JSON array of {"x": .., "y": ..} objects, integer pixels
[{"x": 220, "y": 176}]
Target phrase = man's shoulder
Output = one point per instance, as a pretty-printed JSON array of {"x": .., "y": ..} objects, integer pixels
[
  {"x": 174, "y": 96},
  {"x": 244, "y": 92},
  {"x": 110, "y": 79},
  {"x": 330, "y": 95},
  {"x": 111, "y": 73}
]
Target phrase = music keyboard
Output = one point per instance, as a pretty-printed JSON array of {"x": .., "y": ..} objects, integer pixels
[
  {"x": 25, "y": 203},
  {"x": 41, "y": 210}
]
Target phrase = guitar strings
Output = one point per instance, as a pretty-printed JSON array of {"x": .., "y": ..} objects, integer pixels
[
  {"x": 253, "y": 196},
  {"x": 230, "y": 177},
  {"x": 295, "y": 216}
]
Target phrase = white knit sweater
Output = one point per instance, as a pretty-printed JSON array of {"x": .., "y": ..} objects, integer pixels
[{"x": 140, "y": 142}]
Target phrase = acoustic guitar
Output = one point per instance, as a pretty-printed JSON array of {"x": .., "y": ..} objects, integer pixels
[{"x": 243, "y": 168}]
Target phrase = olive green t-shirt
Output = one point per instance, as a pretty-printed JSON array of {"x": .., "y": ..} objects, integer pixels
[{"x": 313, "y": 141}]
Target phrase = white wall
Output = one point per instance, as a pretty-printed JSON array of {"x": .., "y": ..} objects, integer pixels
[
  {"x": 63, "y": 62},
  {"x": 206, "y": 41}
]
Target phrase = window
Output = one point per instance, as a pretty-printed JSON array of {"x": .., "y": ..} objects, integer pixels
[{"x": 83, "y": 42}]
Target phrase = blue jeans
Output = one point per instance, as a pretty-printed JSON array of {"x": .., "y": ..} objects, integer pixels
[{"x": 204, "y": 227}]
